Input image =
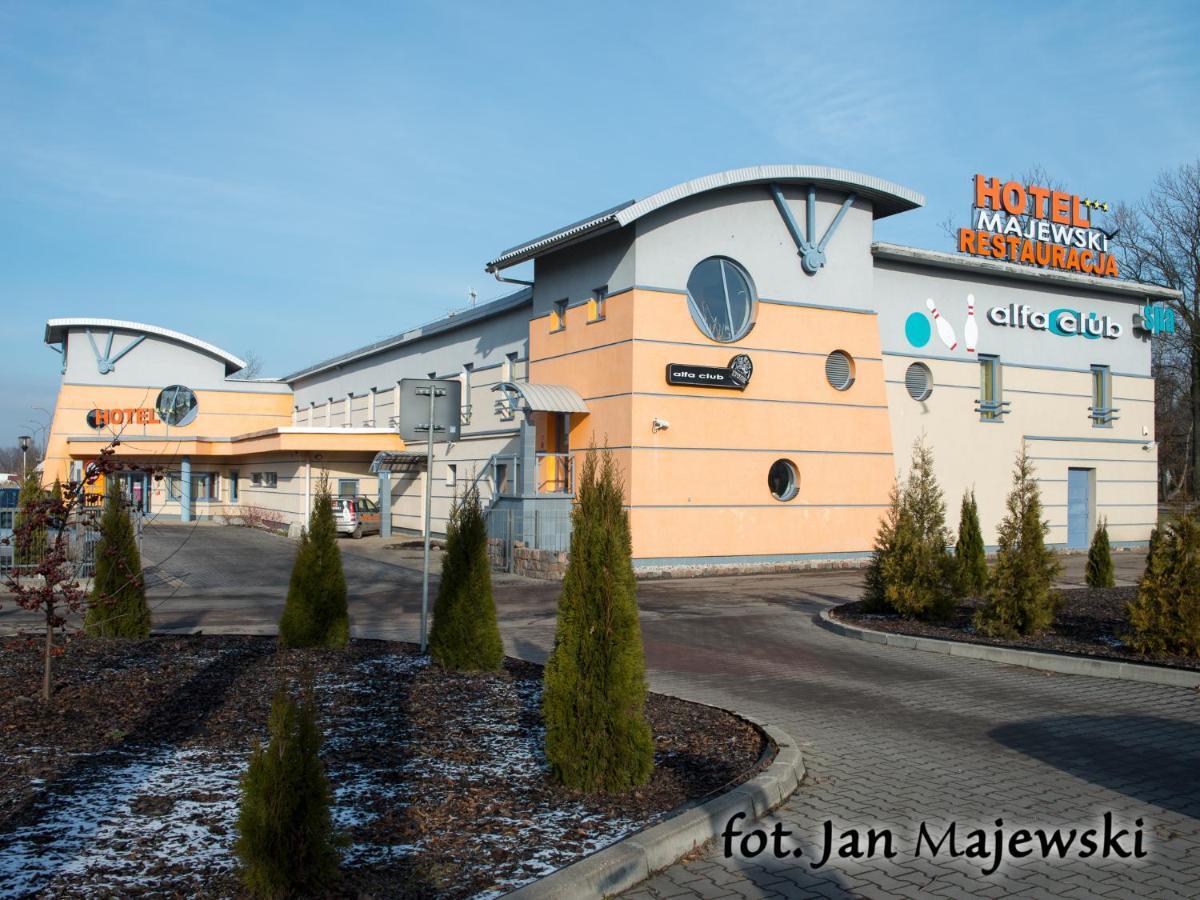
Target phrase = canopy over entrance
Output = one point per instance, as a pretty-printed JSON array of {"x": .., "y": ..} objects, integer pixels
[{"x": 554, "y": 398}]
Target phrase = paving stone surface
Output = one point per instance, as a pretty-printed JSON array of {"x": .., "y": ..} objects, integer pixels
[{"x": 891, "y": 738}]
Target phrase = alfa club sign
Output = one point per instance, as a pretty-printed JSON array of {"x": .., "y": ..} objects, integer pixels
[{"x": 735, "y": 376}]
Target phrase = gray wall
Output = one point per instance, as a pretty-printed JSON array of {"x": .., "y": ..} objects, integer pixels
[
  {"x": 156, "y": 361},
  {"x": 901, "y": 289},
  {"x": 744, "y": 224},
  {"x": 573, "y": 273}
]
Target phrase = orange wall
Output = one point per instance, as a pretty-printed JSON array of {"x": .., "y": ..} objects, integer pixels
[
  {"x": 699, "y": 487},
  {"x": 220, "y": 414}
]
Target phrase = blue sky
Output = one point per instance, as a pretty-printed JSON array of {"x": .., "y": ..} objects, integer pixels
[{"x": 295, "y": 179}]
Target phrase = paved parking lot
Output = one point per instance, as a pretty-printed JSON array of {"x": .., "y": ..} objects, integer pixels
[{"x": 892, "y": 738}]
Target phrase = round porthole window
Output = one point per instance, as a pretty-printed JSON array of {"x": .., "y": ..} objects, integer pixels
[
  {"x": 918, "y": 381},
  {"x": 176, "y": 405},
  {"x": 839, "y": 369},
  {"x": 783, "y": 480},
  {"x": 721, "y": 299}
]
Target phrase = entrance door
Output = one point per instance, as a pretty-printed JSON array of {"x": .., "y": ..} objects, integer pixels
[
  {"x": 1079, "y": 508},
  {"x": 135, "y": 488}
]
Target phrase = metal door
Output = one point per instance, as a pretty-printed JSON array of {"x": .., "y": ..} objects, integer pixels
[{"x": 1079, "y": 512}]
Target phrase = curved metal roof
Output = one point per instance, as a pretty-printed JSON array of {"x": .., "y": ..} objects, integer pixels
[
  {"x": 56, "y": 330},
  {"x": 886, "y": 198},
  {"x": 545, "y": 397}
]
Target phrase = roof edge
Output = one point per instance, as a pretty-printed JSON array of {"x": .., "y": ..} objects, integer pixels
[
  {"x": 886, "y": 197},
  {"x": 54, "y": 328},
  {"x": 998, "y": 269},
  {"x": 437, "y": 326}
]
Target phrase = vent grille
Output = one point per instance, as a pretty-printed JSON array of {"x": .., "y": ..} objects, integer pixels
[
  {"x": 918, "y": 381},
  {"x": 839, "y": 370}
]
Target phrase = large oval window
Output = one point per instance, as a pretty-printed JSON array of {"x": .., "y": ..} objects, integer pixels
[
  {"x": 783, "y": 480},
  {"x": 176, "y": 405},
  {"x": 721, "y": 299}
]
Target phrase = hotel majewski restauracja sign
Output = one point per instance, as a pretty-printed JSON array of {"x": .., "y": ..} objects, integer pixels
[{"x": 1036, "y": 226}]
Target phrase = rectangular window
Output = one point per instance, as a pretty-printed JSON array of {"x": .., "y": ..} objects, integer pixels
[
  {"x": 233, "y": 487},
  {"x": 510, "y": 367},
  {"x": 1102, "y": 412},
  {"x": 991, "y": 402},
  {"x": 206, "y": 486},
  {"x": 451, "y": 475},
  {"x": 465, "y": 409},
  {"x": 6, "y": 519},
  {"x": 558, "y": 320},
  {"x": 256, "y": 479},
  {"x": 270, "y": 479},
  {"x": 596, "y": 304},
  {"x": 500, "y": 477},
  {"x": 347, "y": 487}
]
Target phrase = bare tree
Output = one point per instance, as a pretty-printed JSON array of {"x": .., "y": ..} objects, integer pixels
[
  {"x": 1159, "y": 243},
  {"x": 252, "y": 369}
]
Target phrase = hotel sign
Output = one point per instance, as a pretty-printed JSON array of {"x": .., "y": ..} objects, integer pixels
[
  {"x": 1036, "y": 226},
  {"x": 98, "y": 418},
  {"x": 735, "y": 376}
]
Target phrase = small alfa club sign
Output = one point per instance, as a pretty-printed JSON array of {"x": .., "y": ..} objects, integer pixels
[{"x": 735, "y": 376}]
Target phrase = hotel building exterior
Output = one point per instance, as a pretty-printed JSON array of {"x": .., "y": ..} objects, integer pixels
[{"x": 757, "y": 362}]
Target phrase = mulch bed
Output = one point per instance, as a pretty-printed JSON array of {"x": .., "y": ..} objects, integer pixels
[
  {"x": 128, "y": 784},
  {"x": 1092, "y": 622}
]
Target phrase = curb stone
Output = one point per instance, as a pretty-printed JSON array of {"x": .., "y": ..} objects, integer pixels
[
  {"x": 1011, "y": 656},
  {"x": 633, "y": 859}
]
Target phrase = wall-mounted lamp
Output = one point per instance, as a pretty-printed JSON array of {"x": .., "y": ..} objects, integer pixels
[{"x": 659, "y": 425}]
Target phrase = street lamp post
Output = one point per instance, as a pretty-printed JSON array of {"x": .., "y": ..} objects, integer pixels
[{"x": 25, "y": 440}]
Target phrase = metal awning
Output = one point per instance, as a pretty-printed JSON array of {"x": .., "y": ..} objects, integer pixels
[
  {"x": 390, "y": 461},
  {"x": 557, "y": 398}
]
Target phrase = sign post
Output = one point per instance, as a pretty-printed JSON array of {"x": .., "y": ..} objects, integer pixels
[{"x": 441, "y": 416}]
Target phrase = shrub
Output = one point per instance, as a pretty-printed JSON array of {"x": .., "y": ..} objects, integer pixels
[
  {"x": 874, "y": 596},
  {"x": 918, "y": 573},
  {"x": 597, "y": 739},
  {"x": 117, "y": 607},
  {"x": 464, "y": 635},
  {"x": 1021, "y": 598},
  {"x": 970, "y": 557},
  {"x": 1099, "y": 571},
  {"x": 1166, "y": 613},
  {"x": 30, "y": 496},
  {"x": 315, "y": 614},
  {"x": 285, "y": 833}
]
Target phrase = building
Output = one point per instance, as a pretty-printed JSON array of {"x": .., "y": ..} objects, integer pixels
[{"x": 757, "y": 362}]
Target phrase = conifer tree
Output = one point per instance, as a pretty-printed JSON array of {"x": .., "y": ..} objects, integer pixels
[
  {"x": 1021, "y": 598},
  {"x": 1166, "y": 612},
  {"x": 285, "y": 841},
  {"x": 1099, "y": 572},
  {"x": 30, "y": 495},
  {"x": 464, "y": 635},
  {"x": 315, "y": 614},
  {"x": 597, "y": 738},
  {"x": 918, "y": 574},
  {"x": 970, "y": 557},
  {"x": 874, "y": 596},
  {"x": 117, "y": 606}
]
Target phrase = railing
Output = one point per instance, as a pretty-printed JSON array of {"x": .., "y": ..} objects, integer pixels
[
  {"x": 991, "y": 410},
  {"x": 556, "y": 473},
  {"x": 1103, "y": 415}
]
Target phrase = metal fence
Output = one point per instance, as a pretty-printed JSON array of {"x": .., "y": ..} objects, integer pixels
[
  {"x": 82, "y": 535},
  {"x": 538, "y": 525}
]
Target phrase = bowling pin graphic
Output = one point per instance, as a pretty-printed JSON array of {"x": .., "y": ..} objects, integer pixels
[
  {"x": 971, "y": 329},
  {"x": 944, "y": 329}
]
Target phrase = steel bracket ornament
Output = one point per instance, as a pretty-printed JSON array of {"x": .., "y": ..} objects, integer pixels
[
  {"x": 811, "y": 250},
  {"x": 107, "y": 361}
]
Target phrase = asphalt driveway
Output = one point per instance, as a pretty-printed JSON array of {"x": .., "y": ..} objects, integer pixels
[{"x": 892, "y": 738}]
